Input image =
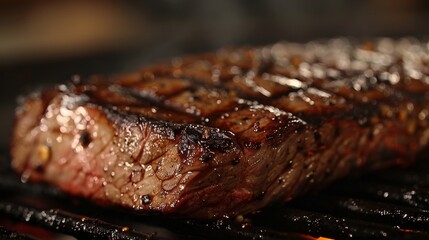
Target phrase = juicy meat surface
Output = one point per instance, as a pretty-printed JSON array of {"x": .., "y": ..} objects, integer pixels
[{"x": 229, "y": 132}]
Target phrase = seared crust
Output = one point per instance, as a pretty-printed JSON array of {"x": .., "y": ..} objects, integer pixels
[{"x": 229, "y": 132}]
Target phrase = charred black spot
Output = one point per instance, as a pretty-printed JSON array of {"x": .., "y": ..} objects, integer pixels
[
  {"x": 299, "y": 146},
  {"x": 328, "y": 172},
  {"x": 207, "y": 140},
  {"x": 336, "y": 131},
  {"x": 218, "y": 141},
  {"x": 305, "y": 165},
  {"x": 270, "y": 137},
  {"x": 331, "y": 103},
  {"x": 317, "y": 135},
  {"x": 207, "y": 156},
  {"x": 189, "y": 142},
  {"x": 289, "y": 164},
  {"x": 176, "y": 130},
  {"x": 260, "y": 196},
  {"x": 146, "y": 199},
  {"x": 309, "y": 181},
  {"x": 370, "y": 136},
  {"x": 39, "y": 168},
  {"x": 196, "y": 97},
  {"x": 85, "y": 138}
]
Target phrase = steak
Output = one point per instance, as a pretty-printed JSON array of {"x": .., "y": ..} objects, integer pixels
[{"x": 229, "y": 132}]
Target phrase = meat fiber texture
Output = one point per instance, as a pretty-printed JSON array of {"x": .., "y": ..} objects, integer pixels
[{"x": 229, "y": 132}]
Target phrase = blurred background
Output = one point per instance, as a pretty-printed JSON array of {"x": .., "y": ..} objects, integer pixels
[{"x": 45, "y": 42}]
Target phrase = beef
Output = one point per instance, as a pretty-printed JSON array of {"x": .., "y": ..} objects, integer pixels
[{"x": 229, "y": 132}]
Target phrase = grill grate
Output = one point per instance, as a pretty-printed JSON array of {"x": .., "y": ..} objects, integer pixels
[
  {"x": 391, "y": 204},
  {"x": 384, "y": 213},
  {"x": 79, "y": 227},
  {"x": 8, "y": 234}
]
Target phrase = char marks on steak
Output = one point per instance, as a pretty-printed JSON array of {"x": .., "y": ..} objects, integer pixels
[{"x": 229, "y": 132}]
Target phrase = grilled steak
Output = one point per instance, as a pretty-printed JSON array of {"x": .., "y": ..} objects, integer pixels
[{"x": 232, "y": 131}]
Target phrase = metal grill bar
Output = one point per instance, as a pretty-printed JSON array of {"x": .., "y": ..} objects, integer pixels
[
  {"x": 227, "y": 229},
  {"x": 9, "y": 184},
  {"x": 403, "y": 217},
  {"x": 81, "y": 228},
  {"x": 403, "y": 195},
  {"x": 317, "y": 224},
  {"x": 186, "y": 228}
]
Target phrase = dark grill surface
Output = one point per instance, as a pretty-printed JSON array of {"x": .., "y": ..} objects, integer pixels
[{"x": 390, "y": 204}]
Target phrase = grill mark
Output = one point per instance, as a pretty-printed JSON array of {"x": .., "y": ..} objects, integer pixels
[
  {"x": 258, "y": 93},
  {"x": 194, "y": 86},
  {"x": 157, "y": 87},
  {"x": 312, "y": 83},
  {"x": 360, "y": 112},
  {"x": 204, "y": 102},
  {"x": 169, "y": 128},
  {"x": 127, "y": 106},
  {"x": 352, "y": 111},
  {"x": 399, "y": 91},
  {"x": 133, "y": 102},
  {"x": 253, "y": 62},
  {"x": 268, "y": 101},
  {"x": 152, "y": 101},
  {"x": 346, "y": 75},
  {"x": 353, "y": 73},
  {"x": 391, "y": 96},
  {"x": 315, "y": 117},
  {"x": 197, "y": 83},
  {"x": 222, "y": 112},
  {"x": 258, "y": 124},
  {"x": 251, "y": 66},
  {"x": 96, "y": 99},
  {"x": 222, "y": 83},
  {"x": 222, "y": 87},
  {"x": 366, "y": 87}
]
